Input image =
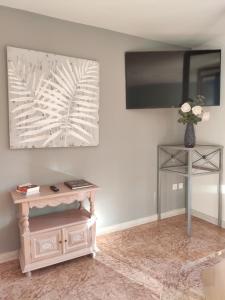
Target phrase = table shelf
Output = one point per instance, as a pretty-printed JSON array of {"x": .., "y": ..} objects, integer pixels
[{"x": 59, "y": 219}]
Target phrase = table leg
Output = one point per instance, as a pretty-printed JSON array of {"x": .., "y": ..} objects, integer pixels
[
  {"x": 158, "y": 185},
  {"x": 94, "y": 240},
  {"x": 24, "y": 217},
  {"x": 25, "y": 233},
  {"x": 186, "y": 195},
  {"x": 220, "y": 183},
  {"x": 92, "y": 215},
  {"x": 189, "y": 206},
  {"x": 28, "y": 274},
  {"x": 92, "y": 203},
  {"x": 189, "y": 194}
]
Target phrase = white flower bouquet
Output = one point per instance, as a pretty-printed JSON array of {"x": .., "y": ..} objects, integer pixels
[{"x": 192, "y": 111}]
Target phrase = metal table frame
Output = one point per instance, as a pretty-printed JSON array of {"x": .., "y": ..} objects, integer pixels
[{"x": 189, "y": 167}]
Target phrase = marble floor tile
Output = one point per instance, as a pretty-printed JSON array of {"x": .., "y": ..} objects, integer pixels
[{"x": 152, "y": 261}]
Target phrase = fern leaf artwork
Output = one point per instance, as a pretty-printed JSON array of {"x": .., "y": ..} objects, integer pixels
[{"x": 53, "y": 100}]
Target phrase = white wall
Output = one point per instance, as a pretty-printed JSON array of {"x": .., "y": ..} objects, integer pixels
[{"x": 205, "y": 188}]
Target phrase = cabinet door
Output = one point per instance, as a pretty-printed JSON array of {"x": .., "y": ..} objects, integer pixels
[
  {"x": 46, "y": 245},
  {"x": 77, "y": 237}
]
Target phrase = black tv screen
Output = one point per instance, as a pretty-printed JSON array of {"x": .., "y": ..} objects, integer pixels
[{"x": 169, "y": 78}]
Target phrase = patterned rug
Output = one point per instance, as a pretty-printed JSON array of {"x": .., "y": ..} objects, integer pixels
[{"x": 163, "y": 258}]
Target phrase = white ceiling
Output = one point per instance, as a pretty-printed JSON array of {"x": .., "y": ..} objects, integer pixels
[{"x": 180, "y": 22}]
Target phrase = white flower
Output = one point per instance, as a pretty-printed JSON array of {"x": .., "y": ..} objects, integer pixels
[
  {"x": 206, "y": 116},
  {"x": 186, "y": 107},
  {"x": 197, "y": 110}
]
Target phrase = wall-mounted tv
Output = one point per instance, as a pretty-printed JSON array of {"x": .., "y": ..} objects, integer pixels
[{"x": 167, "y": 79}]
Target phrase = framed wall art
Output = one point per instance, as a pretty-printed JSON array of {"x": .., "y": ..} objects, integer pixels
[{"x": 53, "y": 100}]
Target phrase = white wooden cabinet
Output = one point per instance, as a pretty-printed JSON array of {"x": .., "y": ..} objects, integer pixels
[{"x": 56, "y": 237}]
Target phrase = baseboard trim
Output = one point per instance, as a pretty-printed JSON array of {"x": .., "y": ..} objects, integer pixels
[
  {"x": 7, "y": 256},
  {"x": 206, "y": 217},
  {"x": 125, "y": 225},
  {"x": 4, "y": 257},
  {"x": 140, "y": 221},
  {"x": 173, "y": 213}
]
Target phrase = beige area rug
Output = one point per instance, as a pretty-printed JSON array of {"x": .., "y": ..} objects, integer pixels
[
  {"x": 163, "y": 258},
  {"x": 152, "y": 261}
]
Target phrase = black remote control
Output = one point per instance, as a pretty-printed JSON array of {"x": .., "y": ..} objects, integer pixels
[{"x": 54, "y": 188}]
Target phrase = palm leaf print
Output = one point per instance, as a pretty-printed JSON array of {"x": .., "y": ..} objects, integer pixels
[
  {"x": 53, "y": 101},
  {"x": 25, "y": 89},
  {"x": 74, "y": 91}
]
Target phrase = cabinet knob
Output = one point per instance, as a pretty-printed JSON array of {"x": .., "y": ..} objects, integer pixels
[
  {"x": 60, "y": 242},
  {"x": 65, "y": 241}
]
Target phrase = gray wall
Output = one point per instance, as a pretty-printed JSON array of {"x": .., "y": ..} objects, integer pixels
[
  {"x": 213, "y": 131},
  {"x": 124, "y": 163}
]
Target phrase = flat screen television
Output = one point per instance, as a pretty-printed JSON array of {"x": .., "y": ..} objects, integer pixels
[{"x": 167, "y": 79}]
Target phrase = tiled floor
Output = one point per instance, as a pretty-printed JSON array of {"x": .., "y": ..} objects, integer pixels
[{"x": 152, "y": 261}]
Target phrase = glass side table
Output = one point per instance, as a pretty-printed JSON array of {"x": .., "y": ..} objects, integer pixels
[{"x": 188, "y": 162}]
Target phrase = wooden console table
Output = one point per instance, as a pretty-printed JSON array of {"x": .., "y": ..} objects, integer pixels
[{"x": 56, "y": 237}]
